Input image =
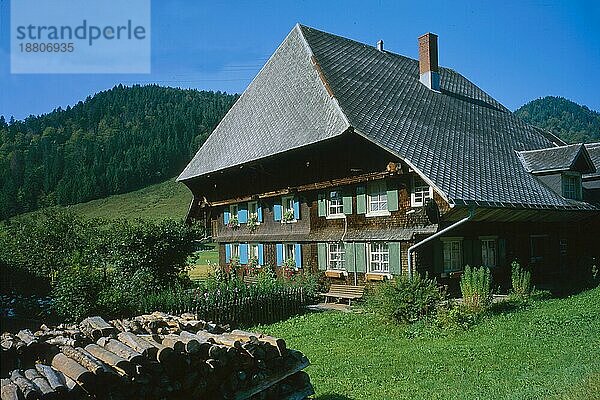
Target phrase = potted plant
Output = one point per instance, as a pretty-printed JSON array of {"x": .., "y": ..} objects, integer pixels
[
  {"x": 289, "y": 268},
  {"x": 233, "y": 223},
  {"x": 252, "y": 222},
  {"x": 288, "y": 216}
]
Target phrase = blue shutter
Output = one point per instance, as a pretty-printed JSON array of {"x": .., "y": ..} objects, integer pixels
[
  {"x": 227, "y": 253},
  {"x": 261, "y": 254},
  {"x": 277, "y": 211},
  {"x": 322, "y": 256},
  {"x": 279, "y": 248},
  {"x": 226, "y": 217},
  {"x": 361, "y": 200},
  {"x": 243, "y": 213},
  {"x": 244, "y": 253},
  {"x": 322, "y": 205},
  {"x": 259, "y": 212},
  {"x": 296, "y": 208},
  {"x": 298, "y": 255}
]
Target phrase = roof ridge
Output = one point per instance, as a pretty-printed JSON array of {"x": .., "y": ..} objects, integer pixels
[{"x": 549, "y": 148}]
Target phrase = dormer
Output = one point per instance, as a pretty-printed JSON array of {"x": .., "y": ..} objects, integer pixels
[{"x": 560, "y": 168}]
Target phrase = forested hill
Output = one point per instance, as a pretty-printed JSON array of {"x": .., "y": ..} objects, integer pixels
[
  {"x": 116, "y": 141},
  {"x": 568, "y": 120}
]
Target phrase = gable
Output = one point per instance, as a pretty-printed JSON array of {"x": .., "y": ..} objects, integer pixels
[{"x": 285, "y": 107}]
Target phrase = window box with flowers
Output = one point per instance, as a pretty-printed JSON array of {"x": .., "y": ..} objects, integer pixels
[{"x": 233, "y": 223}]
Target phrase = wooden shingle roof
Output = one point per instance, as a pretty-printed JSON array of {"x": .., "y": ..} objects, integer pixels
[{"x": 318, "y": 85}]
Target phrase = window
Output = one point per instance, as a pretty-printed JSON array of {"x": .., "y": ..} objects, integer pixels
[
  {"x": 253, "y": 252},
  {"x": 288, "y": 251},
  {"x": 335, "y": 256},
  {"x": 287, "y": 209},
  {"x": 233, "y": 211},
  {"x": 571, "y": 186},
  {"x": 379, "y": 257},
  {"x": 253, "y": 210},
  {"x": 488, "y": 251},
  {"x": 335, "y": 204},
  {"x": 235, "y": 250},
  {"x": 452, "y": 254},
  {"x": 377, "y": 199},
  {"x": 421, "y": 192}
]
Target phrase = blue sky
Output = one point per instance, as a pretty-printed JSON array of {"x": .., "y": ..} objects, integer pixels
[{"x": 515, "y": 50}]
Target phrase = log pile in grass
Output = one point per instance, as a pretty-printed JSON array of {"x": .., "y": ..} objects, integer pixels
[{"x": 155, "y": 356}]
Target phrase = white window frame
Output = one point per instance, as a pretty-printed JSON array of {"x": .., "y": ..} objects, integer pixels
[
  {"x": 289, "y": 200},
  {"x": 235, "y": 250},
  {"x": 377, "y": 189},
  {"x": 420, "y": 192},
  {"x": 571, "y": 180},
  {"x": 234, "y": 210},
  {"x": 253, "y": 204},
  {"x": 337, "y": 202},
  {"x": 253, "y": 251},
  {"x": 486, "y": 240},
  {"x": 286, "y": 254},
  {"x": 381, "y": 251},
  {"x": 456, "y": 264},
  {"x": 336, "y": 256}
]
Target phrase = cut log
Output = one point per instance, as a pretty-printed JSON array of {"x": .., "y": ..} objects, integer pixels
[
  {"x": 27, "y": 388},
  {"x": 99, "y": 327},
  {"x": 61, "y": 341},
  {"x": 73, "y": 370},
  {"x": 174, "y": 342},
  {"x": 55, "y": 379},
  {"x": 42, "y": 385},
  {"x": 138, "y": 344},
  {"x": 27, "y": 337},
  {"x": 122, "y": 350},
  {"x": 9, "y": 390},
  {"x": 84, "y": 360},
  {"x": 118, "y": 363},
  {"x": 163, "y": 354},
  {"x": 277, "y": 342}
]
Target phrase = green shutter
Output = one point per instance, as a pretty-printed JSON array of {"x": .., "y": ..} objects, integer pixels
[
  {"x": 347, "y": 202},
  {"x": 349, "y": 257},
  {"x": 392, "y": 200},
  {"x": 322, "y": 205},
  {"x": 438, "y": 261},
  {"x": 361, "y": 200},
  {"x": 322, "y": 256},
  {"x": 395, "y": 259},
  {"x": 361, "y": 257}
]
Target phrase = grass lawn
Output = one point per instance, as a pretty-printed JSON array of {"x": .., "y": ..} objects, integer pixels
[
  {"x": 201, "y": 269},
  {"x": 168, "y": 199},
  {"x": 549, "y": 350}
]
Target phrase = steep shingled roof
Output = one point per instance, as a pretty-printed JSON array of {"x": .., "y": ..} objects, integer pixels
[
  {"x": 593, "y": 150},
  {"x": 317, "y": 85}
]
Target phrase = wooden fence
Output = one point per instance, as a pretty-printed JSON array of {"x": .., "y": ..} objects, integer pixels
[{"x": 244, "y": 309}]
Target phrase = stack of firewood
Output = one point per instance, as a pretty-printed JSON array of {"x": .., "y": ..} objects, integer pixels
[{"x": 154, "y": 356}]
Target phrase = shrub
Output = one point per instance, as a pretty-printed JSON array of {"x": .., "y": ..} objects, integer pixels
[
  {"x": 75, "y": 295},
  {"x": 521, "y": 281},
  {"x": 476, "y": 289},
  {"x": 405, "y": 299},
  {"x": 452, "y": 316}
]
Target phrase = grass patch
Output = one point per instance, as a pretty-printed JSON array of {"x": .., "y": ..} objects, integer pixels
[
  {"x": 204, "y": 260},
  {"x": 549, "y": 350},
  {"x": 168, "y": 199}
]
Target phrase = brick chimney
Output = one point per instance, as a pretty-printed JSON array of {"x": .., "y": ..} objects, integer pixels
[{"x": 428, "y": 61}]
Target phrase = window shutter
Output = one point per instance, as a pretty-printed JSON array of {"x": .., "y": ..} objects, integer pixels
[
  {"x": 226, "y": 216},
  {"x": 395, "y": 259},
  {"x": 361, "y": 257},
  {"x": 277, "y": 211},
  {"x": 261, "y": 254},
  {"x": 279, "y": 248},
  {"x": 244, "y": 253},
  {"x": 298, "y": 255},
  {"x": 392, "y": 200},
  {"x": 322, "y": 205},
  {"x": 468, "y": 253},
  {"x": 227, "y": 253},
  {"x": 243, "y": 213},
  {"x": 477, "y": 252},
  {"x": 349, "y": 257},
  {"x": 347, "y": 202},
  {"x": 259, "y": 212},
  {"x": 296, "y": 208},
  {"x": 322, "y": 256},
  {"x": 361, "y": 200}
]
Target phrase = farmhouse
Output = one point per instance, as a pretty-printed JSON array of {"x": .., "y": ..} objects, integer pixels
[{"x": 351, "y": 159}]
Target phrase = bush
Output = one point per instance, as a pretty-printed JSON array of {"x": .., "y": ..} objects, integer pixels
[
  {"x": 521, "y": 281},
  {"x": 75, "y": 295},
  {"x": 452, "y": 317},
  {"x": 405, "y": 299},
  {"x": 476, "y": 289}
]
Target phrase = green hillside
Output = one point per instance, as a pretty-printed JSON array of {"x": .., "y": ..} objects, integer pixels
[
  {"x": 570, "y": 121},
  {"x": 168, "y": 199}
]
